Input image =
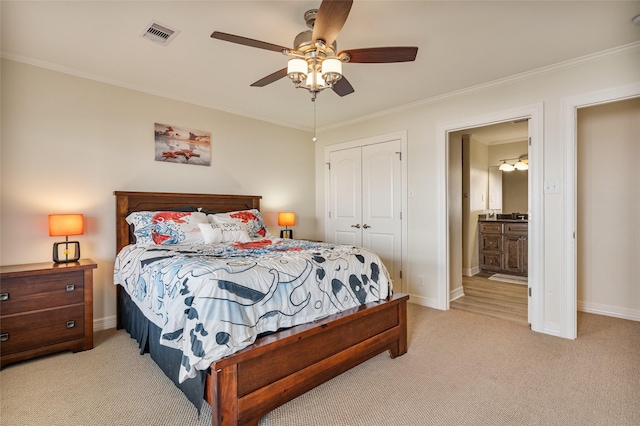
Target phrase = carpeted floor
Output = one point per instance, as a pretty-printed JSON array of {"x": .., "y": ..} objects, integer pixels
[{"x": 461, "y": 369}]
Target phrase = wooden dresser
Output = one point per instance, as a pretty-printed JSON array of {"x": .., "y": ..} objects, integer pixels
[
  {"x": 45, "y": 308},
  {"x": 504, "y": 247}
]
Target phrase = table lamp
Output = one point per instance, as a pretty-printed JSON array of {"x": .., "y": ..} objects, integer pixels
[
  {"x": 286, "y": 219},
  {"x": 66, "y": 224}
]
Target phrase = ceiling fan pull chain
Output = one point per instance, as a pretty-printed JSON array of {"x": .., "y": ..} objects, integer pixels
[{"x": 315, "y": 137}]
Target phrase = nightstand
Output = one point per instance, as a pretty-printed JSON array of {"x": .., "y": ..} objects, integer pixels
[{"x": 45, "y": 308}]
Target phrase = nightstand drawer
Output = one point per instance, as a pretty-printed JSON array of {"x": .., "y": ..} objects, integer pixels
[
  {"x": 30, "y": 293},
  {"x": 30, "y": 331}
]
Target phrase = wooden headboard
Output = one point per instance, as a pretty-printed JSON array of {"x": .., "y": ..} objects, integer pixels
[{"x": 128, "y": 202}]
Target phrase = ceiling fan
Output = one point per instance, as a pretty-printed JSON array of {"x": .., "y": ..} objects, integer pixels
[{"x": 315, "y": 62}]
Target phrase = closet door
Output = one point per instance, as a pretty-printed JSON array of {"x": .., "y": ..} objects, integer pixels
[
  {"x": 345, "y": 225},
  {"x": 365, "y": 201},
  {"x": 381, "y": 203}
]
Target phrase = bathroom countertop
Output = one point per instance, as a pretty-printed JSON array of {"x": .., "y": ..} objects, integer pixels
[{"x": 497, "y": 218}]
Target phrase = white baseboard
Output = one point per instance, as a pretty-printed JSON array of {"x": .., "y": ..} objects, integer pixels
[
  {"x": 469, "y": 272},
  {"x": 104, "y": 323},
  {"x": 609, "y": 311},
  {"x": 456, "y": 293},
  {"x": 424, "y": 301}
]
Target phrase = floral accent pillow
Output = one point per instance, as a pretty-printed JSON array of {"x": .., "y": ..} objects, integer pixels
[
  {"x": 215, "y": 233},
  {"x": 250, "y": 219},
  {"x": 167, "y": 227}
]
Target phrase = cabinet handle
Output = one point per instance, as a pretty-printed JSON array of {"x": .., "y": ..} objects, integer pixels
[
  {"x": 356, "y": 226},
  {"x": 4, "y": 337},
  {"x": 70, "y": 287},
  {"x": 71, "y": 324},
  {"x": 365, "y": 226},
  {"x": 4, "y": 296}
]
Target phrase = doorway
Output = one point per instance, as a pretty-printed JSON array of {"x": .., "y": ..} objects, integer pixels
[
  {"x": 534, "y": 114},
  {"x": 488, "y": 208}
]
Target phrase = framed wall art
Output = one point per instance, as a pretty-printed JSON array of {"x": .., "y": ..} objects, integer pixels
[{"x": 175, "y": 144}]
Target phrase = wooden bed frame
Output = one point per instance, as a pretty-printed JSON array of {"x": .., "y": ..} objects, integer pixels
[{"x": 277, "y": 368}]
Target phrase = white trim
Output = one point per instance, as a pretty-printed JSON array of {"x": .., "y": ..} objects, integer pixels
[
  {"x": 610, "y": 311},
  {"x": 619, "y": 50},
  {"x": 570, "y": 106},
  {"x": 424, "y": 301},
  {"x": 104, "y": 323},
  {"x": 536, "y": 202},
  {"x": 118, "y": 83},
  {"x": 402, "y": 136},
  {"x": 510, "y": 79},
  {"x": 469, "y": 272},
  {"x": 456, "y": 293}
]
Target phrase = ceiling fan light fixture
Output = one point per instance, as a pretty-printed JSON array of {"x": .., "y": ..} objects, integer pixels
[
  {"x": 521, "y": 165},
  {"x": 314, "y": 82},
  {"x": 331, "y": 70},
  {"x": 297, "y": 70}
]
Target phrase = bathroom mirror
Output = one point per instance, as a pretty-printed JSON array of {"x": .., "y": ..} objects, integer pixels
[{"x": 508, "y": 191}]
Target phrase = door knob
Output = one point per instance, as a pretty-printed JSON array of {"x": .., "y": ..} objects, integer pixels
[
  {"x": 356, "y": 226},
  {"x": 365, "y": 226}
]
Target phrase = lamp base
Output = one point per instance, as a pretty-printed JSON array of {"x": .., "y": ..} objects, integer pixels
[
  {"x": 286, "y": 233},
  {"x": 65, "y": 252}
]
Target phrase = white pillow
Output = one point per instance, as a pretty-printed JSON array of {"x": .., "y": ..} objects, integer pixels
[
  {"x": 251, "y": 220},
  {"x": 215, "y": 233}
]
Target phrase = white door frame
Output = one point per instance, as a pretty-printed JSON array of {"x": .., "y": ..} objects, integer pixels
[
  {"x": 570, "y": 106},
  {"x": 536, "y": 202},
  {"x": 402, "y": 136}
]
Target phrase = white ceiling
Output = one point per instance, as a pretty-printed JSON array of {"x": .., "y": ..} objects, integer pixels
[{"x": 461, "y": 44}]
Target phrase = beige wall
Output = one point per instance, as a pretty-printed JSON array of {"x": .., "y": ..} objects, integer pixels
[
  {"x": 425, "y": 256},
  {"x": 69, "y": 142},
  {"x": 608, "y": 208}
]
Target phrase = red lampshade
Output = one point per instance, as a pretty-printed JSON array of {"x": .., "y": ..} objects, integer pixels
[
  {"x": 66, "y": 224},
  {"x": 286, "y": 219}
]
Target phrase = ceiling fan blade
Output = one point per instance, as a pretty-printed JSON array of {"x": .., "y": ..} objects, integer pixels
[
  {"x": 380, "y": 55},
  {"x": 331, "y": 17},
  {"x": 342, "y": 87},
  {"x": 247, "y": 41},
  {"x": 270, "y": 78}
]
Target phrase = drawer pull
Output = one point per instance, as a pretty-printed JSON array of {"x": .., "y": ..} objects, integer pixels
[
  {"x": 4, "y": 337},
  {"x": 71, "y": 287},
  {"x": 71, "y": 324},
  {"x": 4, "y": 296}
]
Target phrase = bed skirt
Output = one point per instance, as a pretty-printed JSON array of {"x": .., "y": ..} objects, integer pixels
[{"x": 147, "y": 334}]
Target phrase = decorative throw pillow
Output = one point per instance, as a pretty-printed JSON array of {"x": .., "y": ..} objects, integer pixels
[
  {"x": 167, "y": 227},
  {"x": 215, "y": 233},
  {"x": 251, "y": 219}
]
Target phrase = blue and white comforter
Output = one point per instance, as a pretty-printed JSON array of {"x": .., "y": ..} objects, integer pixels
[{"x": 213, "y": 300}]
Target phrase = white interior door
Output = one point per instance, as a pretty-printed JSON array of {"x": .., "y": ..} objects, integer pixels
[
  {"x": 345, "y": 211},
  {"x": 365, "y": 204},
  {"x": 382, "y": 202}
]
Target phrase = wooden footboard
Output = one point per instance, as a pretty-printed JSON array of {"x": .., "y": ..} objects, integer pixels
[{"x": 245, "y": 386}]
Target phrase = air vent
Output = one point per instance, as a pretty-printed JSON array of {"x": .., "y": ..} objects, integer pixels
[{"x": 159, "y": 33}]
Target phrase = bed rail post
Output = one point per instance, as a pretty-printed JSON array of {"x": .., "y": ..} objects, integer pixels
[
  {"x": 399, "y": 347},
  {"x": 222, "y": 395}
]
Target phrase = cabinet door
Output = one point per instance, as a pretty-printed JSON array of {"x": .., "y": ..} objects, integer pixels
[{"x": 514, "y": 254}]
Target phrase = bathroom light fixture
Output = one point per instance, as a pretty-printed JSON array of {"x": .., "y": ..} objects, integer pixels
[
  {"x": 506, "y": 167},
  {"x": 520, "y": 163}
]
